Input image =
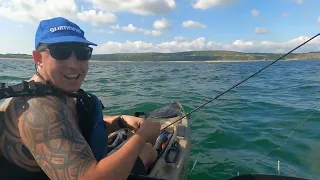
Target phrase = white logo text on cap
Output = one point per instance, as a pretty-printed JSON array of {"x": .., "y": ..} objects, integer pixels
[{"x": 60, "y": 28}]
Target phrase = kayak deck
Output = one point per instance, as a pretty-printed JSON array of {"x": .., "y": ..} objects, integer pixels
[{"x": 173, "y": 160}]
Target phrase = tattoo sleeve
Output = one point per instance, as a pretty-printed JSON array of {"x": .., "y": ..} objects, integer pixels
[
  {"x": 49, "y": 131},
  {"x": 10, "y": 140}
]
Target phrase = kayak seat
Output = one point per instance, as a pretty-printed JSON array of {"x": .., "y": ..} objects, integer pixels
[{"x": 117, "y": 138}]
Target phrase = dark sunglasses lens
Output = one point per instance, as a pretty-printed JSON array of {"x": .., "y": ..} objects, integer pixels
[
  {"x": 60, "y": 52},
  {"x": 83, "y": 53}
]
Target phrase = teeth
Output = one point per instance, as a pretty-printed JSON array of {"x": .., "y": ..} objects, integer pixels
[{"x": 72, "y": 75}]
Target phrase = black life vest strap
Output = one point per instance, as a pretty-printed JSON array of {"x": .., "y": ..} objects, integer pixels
[{"x": 31, "y": 88}]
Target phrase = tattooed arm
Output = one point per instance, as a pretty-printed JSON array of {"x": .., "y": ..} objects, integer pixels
[{"x": 49, "y": 131}]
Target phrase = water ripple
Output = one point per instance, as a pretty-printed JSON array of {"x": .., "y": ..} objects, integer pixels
[{"x": 233, "y": 133}]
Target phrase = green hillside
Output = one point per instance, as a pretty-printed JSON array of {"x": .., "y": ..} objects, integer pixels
[
  {"x": 22, "y": 56},
  {"x": 200, "y": 56},
  {"x": 187, "y": 56}
]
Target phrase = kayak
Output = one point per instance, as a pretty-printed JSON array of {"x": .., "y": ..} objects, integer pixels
[{"x": 173, "y": 144}]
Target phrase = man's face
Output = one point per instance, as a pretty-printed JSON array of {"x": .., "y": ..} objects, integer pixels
[{"x": 65, "y": 66}]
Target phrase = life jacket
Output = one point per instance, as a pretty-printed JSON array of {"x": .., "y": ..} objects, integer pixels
[
  {"x": 92, "y": 125},
  {"x": 89, "y": 109}
]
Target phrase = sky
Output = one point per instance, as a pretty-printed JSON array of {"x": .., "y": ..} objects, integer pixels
[{"x": 121, "y": 26}]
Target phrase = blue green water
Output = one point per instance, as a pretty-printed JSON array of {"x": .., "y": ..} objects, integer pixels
[{"x": 234, "y": 133}]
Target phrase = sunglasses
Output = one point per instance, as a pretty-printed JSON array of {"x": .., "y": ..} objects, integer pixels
[{"x": 62, "y": 52}]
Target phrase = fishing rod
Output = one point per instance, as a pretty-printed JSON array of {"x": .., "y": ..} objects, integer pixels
[{"x": 241, "y": 82}]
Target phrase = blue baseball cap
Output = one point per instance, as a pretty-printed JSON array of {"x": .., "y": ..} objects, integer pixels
[{"x": 59, "y": 30}]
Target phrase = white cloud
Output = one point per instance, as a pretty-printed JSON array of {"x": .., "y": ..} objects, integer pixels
[
  {"x": 161, "y": 24},
  {"x": 272, "y": 46},
  {"x": 155, "y": 33},
  {"x": 243, "y": 43},
  {"x": 17, "y": 43},
  {"x": 319, "y": 19},
  {"x": 255, "y": 13},
  {"x": 139, "y": 46},
  {"x": 115, "y": 27},
  {"x": 193, "y": 24},
  {"x": 97, "y": 18},
  {"x": 150, "y": 7},
  {"x": 128, "y": 46},
  {"x": 261, "y": 30},
  {"x": 178, "y": 44},
  {"x": 292, "y": 42},
  {"x": 36, "y": 10},
  {"x": 181, "y": 44},
  {"x": 299, "y": 1},
  {"x": 131, "y": 28},
  {"x": 206, "y": 4}
]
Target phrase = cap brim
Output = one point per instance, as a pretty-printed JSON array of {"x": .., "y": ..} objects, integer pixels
[{"x": 65, "y": 39}]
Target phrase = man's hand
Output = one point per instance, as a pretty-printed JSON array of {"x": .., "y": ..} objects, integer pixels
[
  {"x": 132, "y": 122},
  {"x": 149, "y": 130}
]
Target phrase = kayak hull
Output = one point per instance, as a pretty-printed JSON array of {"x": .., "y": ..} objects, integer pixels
[{"x": 181, "y": 135}]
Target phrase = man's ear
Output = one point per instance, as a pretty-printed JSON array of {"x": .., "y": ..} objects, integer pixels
[{"x": 37, "y": 57}]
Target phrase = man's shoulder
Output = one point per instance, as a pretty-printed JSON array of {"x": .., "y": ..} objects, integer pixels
[
  {"x": 5, "y": 103},
  {"x": 45, "y": 100},
  {"x": 23, "y": 107},
  {"x": 45, "y": 117}
]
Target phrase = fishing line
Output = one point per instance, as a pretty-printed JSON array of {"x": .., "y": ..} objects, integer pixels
[{"x": 240, "y": 82}]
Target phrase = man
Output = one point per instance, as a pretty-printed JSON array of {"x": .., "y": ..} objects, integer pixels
[{"x": 43, "y": 134}]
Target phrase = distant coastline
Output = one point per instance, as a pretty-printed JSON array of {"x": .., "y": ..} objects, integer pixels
[
  {"x": 20, "y": 59},
  {"x": 187, "y": 56},
  {"x": 214, "y": 61}
]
